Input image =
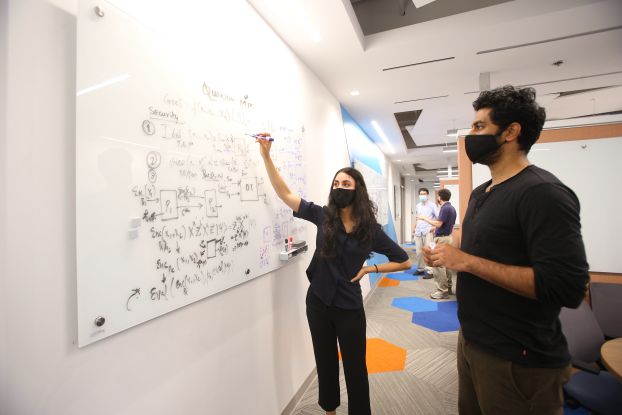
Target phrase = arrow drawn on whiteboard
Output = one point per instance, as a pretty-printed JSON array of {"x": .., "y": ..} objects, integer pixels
[{"x": 135, "y": 293}]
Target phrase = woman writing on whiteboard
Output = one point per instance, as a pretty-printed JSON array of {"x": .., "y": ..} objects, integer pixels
[{"x": 347, "y": 234}]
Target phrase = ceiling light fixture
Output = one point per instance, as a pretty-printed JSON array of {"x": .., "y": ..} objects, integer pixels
[
  {"x": 355, "y": 93},
  {"x": 450, "y": 149},
  {"x": 421, "y": 3},
  {"x": 382, "y": 135}
]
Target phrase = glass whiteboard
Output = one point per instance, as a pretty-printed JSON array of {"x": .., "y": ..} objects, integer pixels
[{"x": 173, "y": 203}]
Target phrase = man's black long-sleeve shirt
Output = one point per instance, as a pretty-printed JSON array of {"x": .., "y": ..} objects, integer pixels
[{"x": 531, "y": 220}]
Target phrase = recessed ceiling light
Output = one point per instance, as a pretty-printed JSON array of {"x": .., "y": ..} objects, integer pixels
[
  {"x": 355, "y": 93},
  {"x": 421, "y": 3},
  {"x": 398, "y": 160}
]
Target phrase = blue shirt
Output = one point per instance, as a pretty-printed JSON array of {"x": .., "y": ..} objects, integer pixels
[
  {"x": 427, "y": 209},
  {"x": 330, "y": 277},
  {"x": 447, "y": 215}
]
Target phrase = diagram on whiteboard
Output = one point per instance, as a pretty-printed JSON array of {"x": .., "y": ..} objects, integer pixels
[{"x": 173, "y": 202}]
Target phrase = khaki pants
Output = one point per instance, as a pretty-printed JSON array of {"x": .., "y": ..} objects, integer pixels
[
  {"x": 442, "y": 276},
  {"x": 489, "y": 385},
  {"x": 421, "y": 241}
]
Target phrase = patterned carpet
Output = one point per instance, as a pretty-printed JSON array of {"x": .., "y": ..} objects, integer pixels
[
  {"x": 411, "y": 352},
  {"x": 412, "y": 365}
]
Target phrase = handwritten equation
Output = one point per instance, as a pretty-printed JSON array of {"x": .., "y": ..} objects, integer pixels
[{"x": 207, "y": 209}]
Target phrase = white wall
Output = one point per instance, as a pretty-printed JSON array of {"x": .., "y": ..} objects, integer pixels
[
  {"x": 246, "y": 350},
  {"x": 409, "y": 207},
  {"x": 3, "y": 219},
  {"x": 395, "y": 183}
]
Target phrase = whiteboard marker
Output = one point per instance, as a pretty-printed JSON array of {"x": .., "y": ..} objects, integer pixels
[
  {"x": 291, "y": 242},
  {"x": 261, "y": 137},
  {"x": 286, "y": 245}
]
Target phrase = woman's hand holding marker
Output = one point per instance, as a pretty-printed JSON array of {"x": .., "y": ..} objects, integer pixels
[
  {"x": 262, "y": 136},
  {"x": 265, "y": 142}
]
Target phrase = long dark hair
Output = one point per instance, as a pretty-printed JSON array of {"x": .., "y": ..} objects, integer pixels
[{"x": 363, "y": 212}]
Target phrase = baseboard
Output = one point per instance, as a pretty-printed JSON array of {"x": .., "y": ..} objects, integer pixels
[
  {"x": 373, "y": 289},
  {"x": 289, "y": 409}
]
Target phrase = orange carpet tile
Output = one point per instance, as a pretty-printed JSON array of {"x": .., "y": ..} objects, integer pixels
[
  {"x": 383, "y": 356},
  {"x": 388, "y": 282}
]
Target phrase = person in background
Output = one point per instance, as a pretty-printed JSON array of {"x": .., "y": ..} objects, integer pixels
[
  {"x": 423, "y": 231},
  {"x": 522, "y": 258},
  {"x": 347, "y": 233},
  {"x": 444, "y": 225}
]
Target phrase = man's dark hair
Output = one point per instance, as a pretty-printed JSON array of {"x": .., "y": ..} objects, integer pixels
[
  {"x": 509, "y": 104},
  {"x": 444, "y": 194},
  {"x": 423, "y": 189}
]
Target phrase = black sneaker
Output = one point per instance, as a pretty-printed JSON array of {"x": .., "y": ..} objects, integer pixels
[{"x": 427, "y": 275}]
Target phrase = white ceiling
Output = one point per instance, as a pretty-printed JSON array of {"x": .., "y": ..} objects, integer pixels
[{"x": 345, "y": 60}]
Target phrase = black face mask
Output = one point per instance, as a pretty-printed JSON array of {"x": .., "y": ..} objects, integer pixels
[
  {"x": 342, "y": 197},
  {"x": 480, "y": 147}
]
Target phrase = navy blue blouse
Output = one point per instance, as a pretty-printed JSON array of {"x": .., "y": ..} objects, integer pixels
[{"x": 330, "y": 278}]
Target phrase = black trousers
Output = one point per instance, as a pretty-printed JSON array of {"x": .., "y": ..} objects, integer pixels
[{"x": 328, "y": 325}]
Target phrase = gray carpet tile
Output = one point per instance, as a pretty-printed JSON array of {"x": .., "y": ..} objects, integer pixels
[
  {"x": 410, "y": 336},
  {"x": 373, "y": 328},
  {"x": 437, "y": 366},
  {"x": 397, "y": 393},
  {"x": 388, "y": 315},
  {"x": 449, "y": 340}
]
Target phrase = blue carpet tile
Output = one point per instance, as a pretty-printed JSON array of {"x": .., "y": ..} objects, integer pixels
[
  {"x": 443, "y": 320},
  {"x": 415, "y": 304}
]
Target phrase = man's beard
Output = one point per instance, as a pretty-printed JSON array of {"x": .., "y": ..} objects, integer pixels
[{"x": 492, "y": 158}]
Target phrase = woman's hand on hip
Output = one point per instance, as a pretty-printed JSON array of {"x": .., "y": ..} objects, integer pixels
[{"x": 364, "y": 271}]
